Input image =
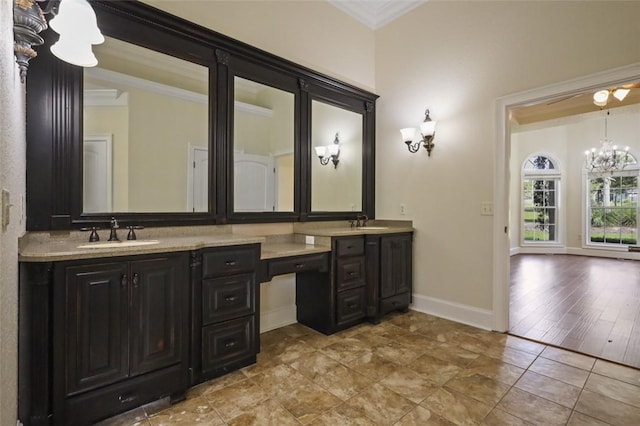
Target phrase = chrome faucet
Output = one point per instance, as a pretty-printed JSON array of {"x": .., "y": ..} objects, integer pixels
[{"x": 113, "y": 236}]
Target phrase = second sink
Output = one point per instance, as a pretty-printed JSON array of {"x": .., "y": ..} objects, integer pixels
[{"x": 115, "y": 244}]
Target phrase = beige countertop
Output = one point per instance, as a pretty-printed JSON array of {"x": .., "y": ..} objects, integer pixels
[{"x": 46, "y": 247}]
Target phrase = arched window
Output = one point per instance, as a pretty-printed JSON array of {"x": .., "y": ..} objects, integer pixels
[
  {"x": 540, "y": 196},
  {"x": 612, "y": 206}
]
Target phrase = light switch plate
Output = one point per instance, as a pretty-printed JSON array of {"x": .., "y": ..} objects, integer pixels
[
  {"x": 486, "y": 208},
  {"x": 6, "y": 208}
]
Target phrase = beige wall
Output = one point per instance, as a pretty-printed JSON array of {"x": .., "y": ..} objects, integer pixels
[
  {"x": 12, "y": 178},
  {"x": 457, "y": 58},
  {"x": 311, "y": 33}
]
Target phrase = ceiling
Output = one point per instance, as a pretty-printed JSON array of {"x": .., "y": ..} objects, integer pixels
[
  {"x": 376, "y": 13},
  {"x": 565, "y": 106}
]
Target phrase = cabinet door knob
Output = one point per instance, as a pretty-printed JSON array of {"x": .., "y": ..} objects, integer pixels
[
  {"x": 123, "y": 280},
  {"x": 126, "y": 398},
  {"x": 136, "y": 280}
]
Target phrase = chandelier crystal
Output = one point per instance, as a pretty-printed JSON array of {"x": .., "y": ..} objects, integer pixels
[{"x": 608, "y": 159}]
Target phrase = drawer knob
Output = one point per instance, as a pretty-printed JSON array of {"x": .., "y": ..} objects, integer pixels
[
  {"x": 299, "y": 265},
  {"x": 230, "y": 344},
  {"x": 124, "y": 399},
  {"x": 353, "y": 305},
  {"x": 231, "y": 298},
  {"x": 230, "y": 263}
]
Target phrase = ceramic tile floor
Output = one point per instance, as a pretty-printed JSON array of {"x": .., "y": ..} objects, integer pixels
[{"x": 412, "y": 369}]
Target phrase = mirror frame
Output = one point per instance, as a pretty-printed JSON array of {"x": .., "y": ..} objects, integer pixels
[{"x": 54, "y": 122}]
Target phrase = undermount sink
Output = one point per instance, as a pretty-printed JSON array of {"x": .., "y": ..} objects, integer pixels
[
  {"x": 116, "y": 244},
  {"x": 371, "y": 228}
]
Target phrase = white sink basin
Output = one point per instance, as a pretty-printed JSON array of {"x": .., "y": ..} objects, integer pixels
[
  {"x": 371, "y": 228},
  {"x": 116, "y": 244}
]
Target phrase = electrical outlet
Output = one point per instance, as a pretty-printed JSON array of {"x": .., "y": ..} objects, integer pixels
[
  {"x": 309, "y": 239},
  {"x": 486, "y": 208},
  {"x": 403, "y": 209}
]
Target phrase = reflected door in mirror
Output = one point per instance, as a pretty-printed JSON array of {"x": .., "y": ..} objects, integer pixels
[{"x": 155, "y": 107}]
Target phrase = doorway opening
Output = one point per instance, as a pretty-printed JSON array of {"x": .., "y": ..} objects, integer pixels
[{"x": 537, "y": 101}]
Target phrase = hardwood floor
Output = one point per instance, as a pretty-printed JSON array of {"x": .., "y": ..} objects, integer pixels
[{"x": 586, "y": 304}]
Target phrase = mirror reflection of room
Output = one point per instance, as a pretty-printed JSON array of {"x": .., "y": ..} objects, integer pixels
[
  {"x": 263, "y": 147},
  {"x": 336, "y": 188},
  {"x": 145, "y": 132}
]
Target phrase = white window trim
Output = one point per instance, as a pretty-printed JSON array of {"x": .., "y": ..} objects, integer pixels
[
  {"x": 547, "y": 174},
  {"x": 586, "y": 208}
]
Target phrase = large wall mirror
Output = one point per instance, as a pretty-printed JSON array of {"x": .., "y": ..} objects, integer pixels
[
  {"x": 145, "y": 132},
  {"x": 336, "y": 184},
  {"x": 263, "y": 148},
  {"x": 180, "y": 125}
]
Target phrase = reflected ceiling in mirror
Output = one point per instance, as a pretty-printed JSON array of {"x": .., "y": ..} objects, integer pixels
[
  {"x": 339, "y": 188},
  {"x": 263, "y": 147},
  {"x": 145, "y": 131}
]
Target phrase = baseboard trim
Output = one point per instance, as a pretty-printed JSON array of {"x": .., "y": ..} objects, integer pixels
[
  {"x": 577, "y": 251},
  {"x": 514, "y": 250},
  {"x": 276, "y": 318},
  {"x": 476, "y": 317}
]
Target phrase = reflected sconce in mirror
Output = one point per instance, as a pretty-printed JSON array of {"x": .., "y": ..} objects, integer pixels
[
  {"x": 329, "y": 152},
  {"x": 427, "y": 132},
  {"x": 74, "y": 20}
]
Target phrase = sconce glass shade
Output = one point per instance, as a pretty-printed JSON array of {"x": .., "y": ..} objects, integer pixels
[
  {"x": 333, "y": 149},
  {"x": 428, "y": 128},
  {"x": 408, "y": 133},
  {"x": 600, "y": 97},
  {"x": 321, "y": 151},
  {"x": 74, "y": 52},
  {"x": 620, "y": 94},
  {"x": 77, "y": 19}
]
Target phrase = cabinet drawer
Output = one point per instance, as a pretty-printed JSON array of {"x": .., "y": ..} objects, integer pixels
[
  {"x": 229, "y": 261},
  {"x": 351, "y": 305},
  {"x": 312, "y": 262},
  {"x": 350, "y": 272},
  {"x": 350, "y": 246},
  {"x": 227, "y": 342},
  {"x": 227, "y": 298}
]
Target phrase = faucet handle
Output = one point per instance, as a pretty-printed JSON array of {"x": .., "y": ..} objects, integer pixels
[
  {"x": 132, "y": 234},
  {"x": 93, "y": 237}
]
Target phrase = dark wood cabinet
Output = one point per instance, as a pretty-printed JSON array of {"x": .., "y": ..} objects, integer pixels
[
  {"x": 225, "y": 324},
  {"x": 389, "y": 274},
  {"x": 334, "y": 300},
  {"x": 370, "y": 276},
  {"x": 117, "y": 336}
]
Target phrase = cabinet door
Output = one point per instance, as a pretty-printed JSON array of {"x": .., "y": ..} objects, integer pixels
[
  {"x": 96, "y": 306},
  {"x": 158, "y": 289},
  {"x": 395, "y": 265}
]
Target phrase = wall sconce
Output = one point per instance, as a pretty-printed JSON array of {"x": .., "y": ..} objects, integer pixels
[
  {"x": 329, "y": 152},
  {"x": 74, "y": 20},
  {"x": 427, "y": 131}
]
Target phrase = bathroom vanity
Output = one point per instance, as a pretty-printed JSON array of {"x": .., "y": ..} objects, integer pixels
[{"x": 104, "y": 329}]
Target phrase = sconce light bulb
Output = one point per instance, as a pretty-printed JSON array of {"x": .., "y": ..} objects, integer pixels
[{"x": 77, "y": 19}]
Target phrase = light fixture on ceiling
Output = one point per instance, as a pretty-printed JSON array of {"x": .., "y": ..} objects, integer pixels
[
  {"x": 427, "y": 132},
  {"x": 329, "y": 152},
  {"x": 74, "y": 20},
  {"x": 608, "y": 159},
  {"x": 601, "y": 97}
]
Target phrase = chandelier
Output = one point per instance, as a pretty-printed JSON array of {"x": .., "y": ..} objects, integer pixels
[{"x": 608, "y": 159}]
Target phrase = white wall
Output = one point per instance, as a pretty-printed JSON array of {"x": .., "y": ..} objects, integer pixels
[
  {"x": 457, "y": 58},
  {"x": 12, "y": 178}
]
